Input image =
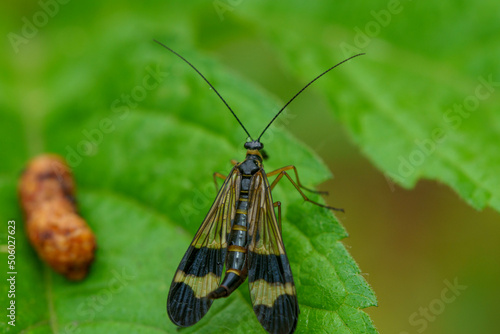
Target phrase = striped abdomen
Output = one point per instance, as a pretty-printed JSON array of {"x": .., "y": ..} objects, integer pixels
[{"x": 236, "y": 256}]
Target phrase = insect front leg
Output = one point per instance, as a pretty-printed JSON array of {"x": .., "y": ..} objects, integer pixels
[
  {"x": 221, "y": 176},
  {"x": 284, "y": 169},
  {"x": 218, "y": 175},
  {"x": 282, "y": 172}
]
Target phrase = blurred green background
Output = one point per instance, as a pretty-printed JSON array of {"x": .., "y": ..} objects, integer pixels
[{"x": 63, "y": 70}]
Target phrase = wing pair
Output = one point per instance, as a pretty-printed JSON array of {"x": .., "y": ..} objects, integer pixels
[{"x": 270, "y": 277}]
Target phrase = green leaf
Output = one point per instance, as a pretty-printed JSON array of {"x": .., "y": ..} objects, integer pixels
[
  {"x": 423, "y": 102},
  {"x": 143, "y": 152}
]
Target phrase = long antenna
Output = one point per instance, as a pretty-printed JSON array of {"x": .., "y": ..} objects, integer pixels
[
  {"x": 201, "y": 75},
  {"x": 319, "y": 76}
]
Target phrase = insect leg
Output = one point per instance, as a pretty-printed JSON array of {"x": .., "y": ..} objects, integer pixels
[
  {"x": 284, "y": 173},
  {"x": 278, "y": 205},
  {"x": 282, "y": 169},
  {"x": 223, "y": 177},
  {"x": 218, "y": 175}
]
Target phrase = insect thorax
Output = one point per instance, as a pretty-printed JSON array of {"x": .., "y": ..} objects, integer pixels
[{"x": 252, "y": 163}]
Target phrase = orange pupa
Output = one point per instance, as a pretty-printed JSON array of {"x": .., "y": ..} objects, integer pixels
[{"x": 59, "y": 235}]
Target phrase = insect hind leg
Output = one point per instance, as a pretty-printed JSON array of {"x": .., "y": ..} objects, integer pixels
[
  {"x": 278, "y": 205},
  {"x": 282, "y": 172}
]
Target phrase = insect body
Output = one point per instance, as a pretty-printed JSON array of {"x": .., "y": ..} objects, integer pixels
[
  {"x": 241, "y": 233},
  {"x": 240, "y": 230}
]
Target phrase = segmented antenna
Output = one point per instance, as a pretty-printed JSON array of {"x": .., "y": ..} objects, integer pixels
[
  {"x": 300, "y": 91},
  {"x": 201, "y": 75},
  {"x": 231, "y": 110}
]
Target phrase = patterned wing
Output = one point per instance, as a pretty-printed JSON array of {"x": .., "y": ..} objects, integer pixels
[
  {"x": 200, "y": 270},
  {"x": 269, "y": 274}
]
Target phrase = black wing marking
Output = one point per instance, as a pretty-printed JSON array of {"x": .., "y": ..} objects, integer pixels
[
  {"x": 270, "y": 278},
  {"x": 200, "y": 270}
]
